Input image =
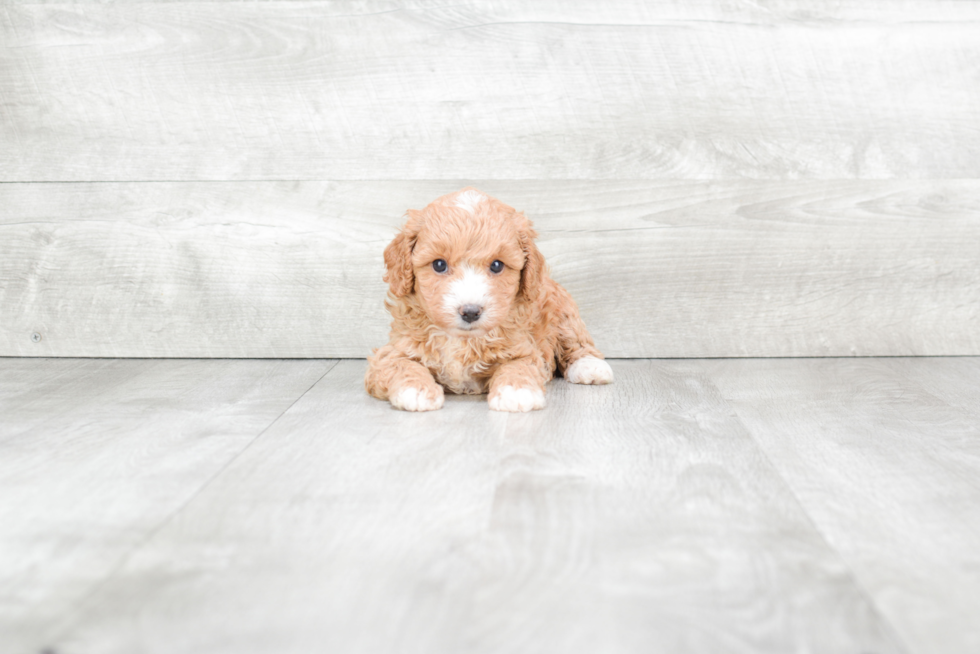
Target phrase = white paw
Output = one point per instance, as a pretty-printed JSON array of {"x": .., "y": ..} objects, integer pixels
[
  {"x": 508, "y": 398},
  {"x": 411, "y": 398},
  {"x": 589, "y": 370}
]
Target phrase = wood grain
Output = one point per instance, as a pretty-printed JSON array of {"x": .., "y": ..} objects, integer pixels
[
  {"x": 952, "y": 380},
  {"x": 95, "y": 455},
  {"x": 888, "y": 470},
  {"x": 630, "y": 518},
  {"x": 659, "y": 269},
  {"x": 502, "y": 90}
]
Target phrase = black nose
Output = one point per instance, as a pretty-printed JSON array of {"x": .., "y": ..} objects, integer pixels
[{"x": 470, "y": 312}]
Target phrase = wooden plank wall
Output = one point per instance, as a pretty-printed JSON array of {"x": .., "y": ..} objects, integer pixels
[{"x": 774, "y": 178}]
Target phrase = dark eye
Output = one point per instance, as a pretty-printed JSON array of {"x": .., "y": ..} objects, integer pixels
[
  {"x": 496, "y": 266},
  {"x": 439, "y": 265}
]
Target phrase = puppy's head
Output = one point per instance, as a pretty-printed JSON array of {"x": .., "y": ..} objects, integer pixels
[{"x": 469, "y": 258}]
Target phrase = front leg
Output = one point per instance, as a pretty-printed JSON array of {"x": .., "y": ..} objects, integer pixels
[
  {"x": 589, "y": 370},
  {"x": 404, "y": 382},
  {"x": 578, "y": 358},
  {"x": 517, "y": 385}
]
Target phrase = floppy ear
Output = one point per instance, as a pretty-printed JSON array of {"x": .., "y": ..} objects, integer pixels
[
  {"x": 533, "y": 263},
  {"x": 398, "y": 258}
]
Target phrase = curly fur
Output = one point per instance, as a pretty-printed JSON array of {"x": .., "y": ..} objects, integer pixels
[{"x": 529, "y": 326}]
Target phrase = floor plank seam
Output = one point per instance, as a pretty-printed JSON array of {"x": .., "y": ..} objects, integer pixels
[
  {"x": 66, "y": 623},
  {"x": 855, "y": 579},
  {"x": 666, "y": 507}
]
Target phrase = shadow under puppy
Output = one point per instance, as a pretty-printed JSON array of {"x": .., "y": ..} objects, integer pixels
[{"x": 474, "y": 310}]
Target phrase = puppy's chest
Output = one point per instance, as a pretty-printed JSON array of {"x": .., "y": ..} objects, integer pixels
[{"x": 459, "y": 369}]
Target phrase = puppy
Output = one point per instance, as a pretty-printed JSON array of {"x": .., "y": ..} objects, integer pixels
[{"x": 475, "y": 311}]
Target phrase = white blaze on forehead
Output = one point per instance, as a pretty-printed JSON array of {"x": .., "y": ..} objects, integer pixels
[
  {"x": 469, "y": 200},
  {"x": 471, "y": 288}
]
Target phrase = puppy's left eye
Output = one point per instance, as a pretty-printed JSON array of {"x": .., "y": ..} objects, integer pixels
[{"x": 496, "y": 266}]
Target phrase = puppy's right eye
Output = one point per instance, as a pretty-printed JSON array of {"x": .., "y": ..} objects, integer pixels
[{"x": 439, "y": 265}]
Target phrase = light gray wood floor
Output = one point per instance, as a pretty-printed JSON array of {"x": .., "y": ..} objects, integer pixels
[{"x": 749, "y": 505}]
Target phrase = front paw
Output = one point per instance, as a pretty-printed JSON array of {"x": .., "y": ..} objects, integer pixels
[
  {"x": 589, "y": 370},
  {"x": 509, "y": 398},
  {"x": 411, "y": 398}
]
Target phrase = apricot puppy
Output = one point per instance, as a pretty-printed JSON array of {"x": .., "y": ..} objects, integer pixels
[{"x": 474, "y": 311}]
